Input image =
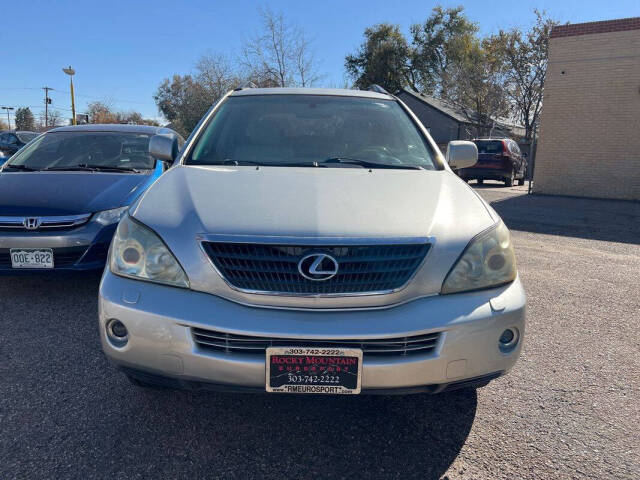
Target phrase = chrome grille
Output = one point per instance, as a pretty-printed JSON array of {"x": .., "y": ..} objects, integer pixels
[
  {"x": 249, "y": 345},
  {"x": 48, "y": 222},
  {"x": 273, "y": 268}
]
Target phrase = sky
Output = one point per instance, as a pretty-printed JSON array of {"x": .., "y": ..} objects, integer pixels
[{"x": 122, "y": 50}]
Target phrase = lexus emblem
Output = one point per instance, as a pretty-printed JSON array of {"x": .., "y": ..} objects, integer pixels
[
  {"x": 31, "y": 223},
  {"x": 318, "y": 266}
]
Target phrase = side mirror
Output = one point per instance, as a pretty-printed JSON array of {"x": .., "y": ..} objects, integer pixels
[
  {"x": 164, "y": 147},
  {"x": 461, "y": 154}
]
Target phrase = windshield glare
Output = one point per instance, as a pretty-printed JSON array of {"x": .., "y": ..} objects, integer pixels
[
  {"x": 71, "y": 149},
  {"x": 303, "y": 129}
]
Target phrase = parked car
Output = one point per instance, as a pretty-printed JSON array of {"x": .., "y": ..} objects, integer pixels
[
  {"x": 63, "y": 194},
  {"x": 498, "y": 159},
  {"x": 312, "y": 241},
  {"x": 11, "y": 142}
]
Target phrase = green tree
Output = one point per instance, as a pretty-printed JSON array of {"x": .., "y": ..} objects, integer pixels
[
  {"x": 183, "y": 101},
  {"x": 438, "y": 44},
  {"x": 475, "y": 84},
  {"x": 25, "y": 119},
  {"x": 524, "y": 57},
  {"x": 382, "y": 59}
]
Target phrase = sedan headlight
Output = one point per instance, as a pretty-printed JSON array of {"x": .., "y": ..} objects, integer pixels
[
  {"x": 137, "y": 252},
  {"x": 107, "y": 217},
  {"x": 488, "y": 261}
]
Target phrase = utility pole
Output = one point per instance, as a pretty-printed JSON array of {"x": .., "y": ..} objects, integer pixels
[
  {"x": 47, "y": 101},
  {"x": 8, "y": 119}
]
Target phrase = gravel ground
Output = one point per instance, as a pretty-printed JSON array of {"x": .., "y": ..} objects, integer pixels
[{"x": 569, "y": 409}]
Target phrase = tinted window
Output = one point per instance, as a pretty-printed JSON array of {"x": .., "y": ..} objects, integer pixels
[
  {"x": 489, "y": 146},
  {"x": 68, "y": 149},
  {"x": 271, "y": 129}
]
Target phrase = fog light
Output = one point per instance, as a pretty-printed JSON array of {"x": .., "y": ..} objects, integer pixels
[
  {"x": 507, "y": 336},
  {"x": 117, "y": 333},
  {"x": 508, "y": 339}
]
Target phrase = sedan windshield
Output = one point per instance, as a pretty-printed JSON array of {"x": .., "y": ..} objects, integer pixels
[
  {"x": 26, "y": 137},
  {"x": 312, "y": 130},
  {"x": 94, "y": 150}
]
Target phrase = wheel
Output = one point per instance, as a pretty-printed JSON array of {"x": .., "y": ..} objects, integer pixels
[
  {"x": 480, "y": 181},
  {"x": 508, "y": 182},
  {"x": 521, "y": 181}
]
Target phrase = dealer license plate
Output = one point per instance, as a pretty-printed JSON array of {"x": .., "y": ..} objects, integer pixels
[
  {"x": 314, "y": 370},
  {"x": 31, "y": 257}
]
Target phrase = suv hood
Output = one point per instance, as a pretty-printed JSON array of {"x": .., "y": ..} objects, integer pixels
[
  {"x": 67, "y": 193},
  {"x": 188, "y": 202}
]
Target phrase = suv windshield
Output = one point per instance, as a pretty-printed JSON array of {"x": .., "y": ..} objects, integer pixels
[
  {"x": 489, "y": 146},
  {"x": 311, "y": 130},
  {"x": 61, "y": 150}
]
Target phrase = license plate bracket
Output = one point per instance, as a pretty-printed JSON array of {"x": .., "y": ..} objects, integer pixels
[
  {"x": 336, "y": 371},
  {"x": 31, "y": 257}
]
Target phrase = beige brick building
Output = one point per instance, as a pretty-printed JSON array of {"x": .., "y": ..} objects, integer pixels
[{"x": 589, "y": 142}]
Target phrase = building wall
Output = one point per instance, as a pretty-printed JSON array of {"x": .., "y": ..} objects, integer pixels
[
  {"x": 442, "y": 128},
  {"x": 589, "y": 142}
]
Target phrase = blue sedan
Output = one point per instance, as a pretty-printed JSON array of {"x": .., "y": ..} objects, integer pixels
[{"x": 62, "y": 196}]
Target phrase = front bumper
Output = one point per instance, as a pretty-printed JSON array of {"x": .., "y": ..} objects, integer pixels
[
  {"x": 77, "y": 249},
  {"x": 159, "y": 321}
]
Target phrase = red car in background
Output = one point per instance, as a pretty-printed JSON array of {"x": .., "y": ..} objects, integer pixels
[{"x": 498, "y": 159}]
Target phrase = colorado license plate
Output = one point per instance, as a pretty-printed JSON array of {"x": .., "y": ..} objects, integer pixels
[
  {"x": 31, "y": 257},
  {"x": 314, "y": 370}
]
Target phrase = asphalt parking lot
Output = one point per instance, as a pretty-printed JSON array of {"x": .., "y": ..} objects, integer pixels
[{"x": 569, "y": 409}]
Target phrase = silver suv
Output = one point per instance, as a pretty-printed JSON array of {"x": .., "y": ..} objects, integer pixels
[{"x": 312, "y": 241}]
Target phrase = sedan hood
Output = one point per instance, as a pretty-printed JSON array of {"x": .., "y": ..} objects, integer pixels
[
  {"x": 67, "y": 193},
  {"x": 188, "y": 202}
]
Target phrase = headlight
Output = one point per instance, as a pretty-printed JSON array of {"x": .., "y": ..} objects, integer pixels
[
  {"x": 139, "y": 253},
  {"x": 488, "y": 261},
  {"x": 107, "y": 217}
]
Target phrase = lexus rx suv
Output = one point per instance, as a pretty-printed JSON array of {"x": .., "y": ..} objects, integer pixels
[{"x": 311, "y": 241}]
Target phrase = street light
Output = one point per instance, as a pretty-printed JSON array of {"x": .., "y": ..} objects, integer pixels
[
  {"x": 71, "y": 72},
  {"x": 8, "y": 119}
]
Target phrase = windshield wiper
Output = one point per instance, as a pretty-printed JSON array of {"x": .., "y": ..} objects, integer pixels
[
  {"x": 111, "y": 168},
  {"x": 366, "y": 164},
  {"x": 229, "y": 161},
  {"x": 20, "y": 167},
  {"x": 91, "y": 168}
]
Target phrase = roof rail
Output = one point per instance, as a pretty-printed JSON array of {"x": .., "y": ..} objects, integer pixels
[{"x": 377, "y": 88}]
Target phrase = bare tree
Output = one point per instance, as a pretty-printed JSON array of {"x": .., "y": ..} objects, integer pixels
[
  {"x": 54, "y": 119},
  {"x": 525, "y": 58},
  {"x": 216, "y": 74},
  {"x": 279, "y": 55}
]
